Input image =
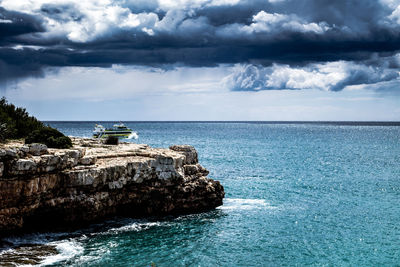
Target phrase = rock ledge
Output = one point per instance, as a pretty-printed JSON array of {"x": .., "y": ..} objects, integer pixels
[{"x": 41, "y": 187}]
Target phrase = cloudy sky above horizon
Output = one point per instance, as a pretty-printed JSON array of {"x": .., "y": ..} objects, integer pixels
[{"x": 202, "y": 59}]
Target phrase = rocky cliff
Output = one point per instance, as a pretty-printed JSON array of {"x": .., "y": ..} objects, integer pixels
[{"x": 41, "y": 187}]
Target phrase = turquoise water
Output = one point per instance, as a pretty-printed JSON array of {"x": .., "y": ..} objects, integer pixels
[{"x": 296, "y": 194}]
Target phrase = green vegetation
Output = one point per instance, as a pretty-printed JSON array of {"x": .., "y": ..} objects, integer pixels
[
  {"x": 3, "y": 131},
  {"x": 50, "y": 137},
  {"x": 15, "y": 123}
]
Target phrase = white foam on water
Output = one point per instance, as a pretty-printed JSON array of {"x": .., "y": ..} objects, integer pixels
[
  {"x": 133, "y": 135},
  {"x": 67, "y": 249},
  {"x": 5, "y": 251},
  {"x": 245, "y": 204},
  {"x": 136, "y": 226}
]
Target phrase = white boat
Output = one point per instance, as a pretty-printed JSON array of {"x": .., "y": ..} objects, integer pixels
[{"x": 118, "y": 130}]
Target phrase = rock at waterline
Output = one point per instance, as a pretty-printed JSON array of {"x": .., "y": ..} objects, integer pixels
[{"x": 27, "y": 255}]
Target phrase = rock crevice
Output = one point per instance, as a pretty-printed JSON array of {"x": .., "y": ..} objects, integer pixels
[{"x": 41, "y": 187}]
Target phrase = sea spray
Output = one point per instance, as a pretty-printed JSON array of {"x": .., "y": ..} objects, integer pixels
[
  {"x": 133, "y": 135},
  {"x": 67, "y": 249}
]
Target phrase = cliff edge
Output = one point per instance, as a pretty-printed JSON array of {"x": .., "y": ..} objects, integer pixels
[{"x": 42, "y": 187}]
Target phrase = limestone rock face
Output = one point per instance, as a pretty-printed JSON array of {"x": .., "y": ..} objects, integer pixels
[
  {"x": 36, "y": 149},
  {"x": 42, "y": 187},
  {"x": 189, "y": 152},
  {"x": 1, "y": 168},
  {"x": 87, "y": 160}
]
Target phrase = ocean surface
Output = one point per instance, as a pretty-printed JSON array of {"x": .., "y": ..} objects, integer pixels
[{"x": 319, "y": 194}]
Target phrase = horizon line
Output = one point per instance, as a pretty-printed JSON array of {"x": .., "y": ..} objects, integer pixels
[{"x": 229, "y": 121}]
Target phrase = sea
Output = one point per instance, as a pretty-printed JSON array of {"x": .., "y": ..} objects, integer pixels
[{"x": 297, "y": 194}]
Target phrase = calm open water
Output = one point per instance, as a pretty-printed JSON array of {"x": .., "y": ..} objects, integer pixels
[{"x": 296, "y": 194}]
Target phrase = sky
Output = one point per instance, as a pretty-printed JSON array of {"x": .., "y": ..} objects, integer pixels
[{"x": 202, "y": 59}]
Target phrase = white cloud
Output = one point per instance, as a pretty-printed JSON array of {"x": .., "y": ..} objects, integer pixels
[
  {"x": 21, "y": 47},
  {"x": 101, "y": 18},
  {"x": 395, "y": 16},
  {"x": 96, "y": 18},
  {"x": 391, "y": 3},
  {"x": 267, "y": 22},
  {"x": 332, "y": 76},
  {"x": 83, "y": 21},
  {"x": 171, "y": 20},
  {"x": 100, "y": 22},
  {"x": 5, "y": 21},
  {"x": 264, "y": 22}
]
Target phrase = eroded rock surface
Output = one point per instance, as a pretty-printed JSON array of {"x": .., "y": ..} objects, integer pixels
[{"x": 42, "y": 187}]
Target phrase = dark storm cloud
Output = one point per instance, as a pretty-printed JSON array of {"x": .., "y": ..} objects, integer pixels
[
  {"x": 15, "y": 23},
  {"x": 63, "y": 13},
  {"x": 294, "y": 33}
]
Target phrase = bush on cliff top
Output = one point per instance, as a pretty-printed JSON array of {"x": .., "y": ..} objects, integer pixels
[
  {"x": 50, "y": 137},
  {"x": 16, "y": 123},
  {"x": 3, "y": 132}
]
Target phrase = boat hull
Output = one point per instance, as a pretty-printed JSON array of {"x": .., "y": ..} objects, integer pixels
[
  {"x": 119, "y": 131},
  {"x": 119, "y": 135}
]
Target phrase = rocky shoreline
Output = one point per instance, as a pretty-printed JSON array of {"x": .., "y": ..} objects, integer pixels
[{"x": 42, "y": 188}]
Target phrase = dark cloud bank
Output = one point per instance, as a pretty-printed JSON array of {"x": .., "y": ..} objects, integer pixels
[{"x": 278, "y": 44}]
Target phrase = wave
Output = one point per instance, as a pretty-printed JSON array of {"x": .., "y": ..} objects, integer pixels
[
  {"x": 133, "y": 135},
  {"x": 72, "y": 248},
  {"x": 67, "y": 249},
  {"x": 245, "y": 204},
  {"x": 69, "y": 246},
  {"x": 135, "y": 226},
  {"x": 40, "y": 249}
]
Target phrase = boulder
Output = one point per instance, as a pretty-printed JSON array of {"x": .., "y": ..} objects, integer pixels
[
  {"x": 196, "y": 169},
  {"x": 87, "y": 160},
  {"x": 24, "y": 149},
  {"x": 11, "y": 153},
  {"x": 189, "y": 152},
  {"x": 21, "y": 166},
  {"x": 73, "y": 156},
  {"x": 37, "y": 149},
  {"x": 51, "y": 162}
]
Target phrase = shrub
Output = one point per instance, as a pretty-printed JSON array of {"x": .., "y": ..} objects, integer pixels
[
  {"x": 59, "y": 142},
  {"x": 3, "y": 132},
  {"x": 18, "y": 123},
  {"x": 50, "y": 137},
  {"x": 111, "y": 140}
]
